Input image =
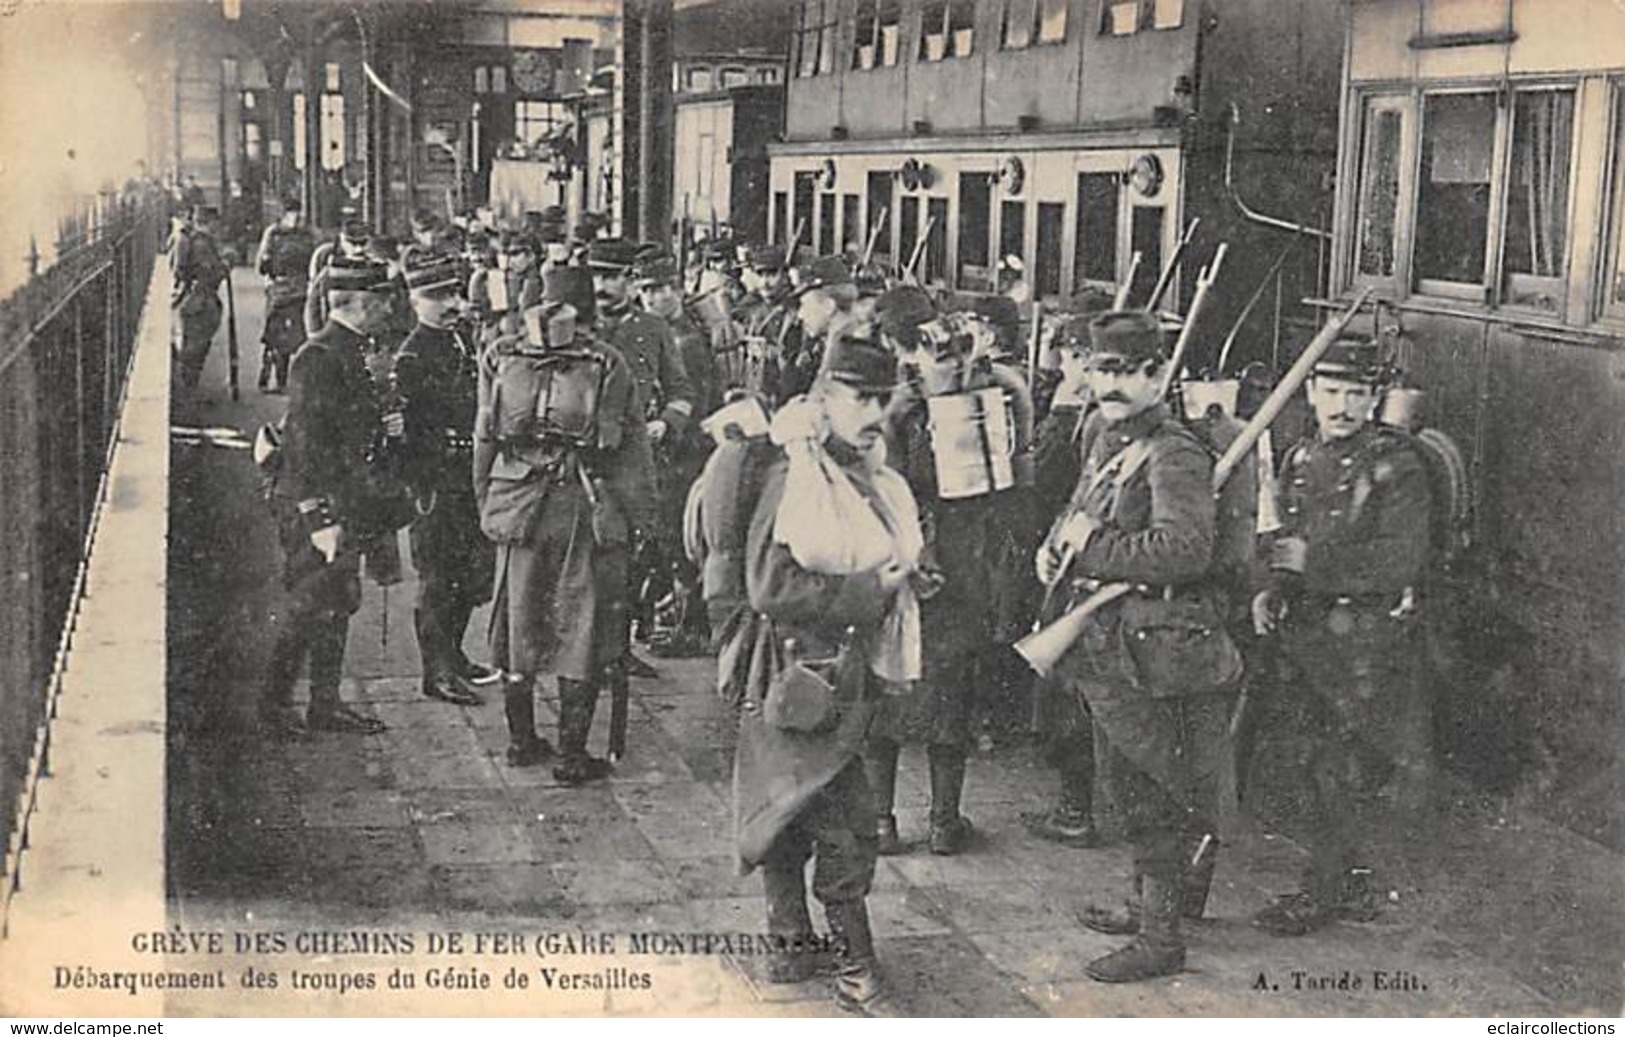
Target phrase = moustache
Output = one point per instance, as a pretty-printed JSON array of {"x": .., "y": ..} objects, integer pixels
[{"x": 1113, "y": 397}]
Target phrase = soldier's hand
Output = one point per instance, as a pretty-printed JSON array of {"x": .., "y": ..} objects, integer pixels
[
  {"x": 394, "y": 424},
  {"x": 326, "y": 541},
  {"x": 1075, "y": 532},
  {"x": 1047, "y": 563},
  {"x": 1268, "y": 609},
  {"x": 657, "y": 429}
]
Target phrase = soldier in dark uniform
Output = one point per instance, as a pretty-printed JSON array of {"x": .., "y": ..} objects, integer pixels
[
  {"x": 436, "y": 375},
  {"x": 1346, "y": 571},
  {"x": 354, "y": 236},
  {"x": 683, "y": 453},
  {"x": 500, "y": 296},
  {"x": 824, "y": 300},
  {"x": 802, "y": 794},
  {"x": 766, "y": 320},
  {"x": 283, "y": 260},
  {"x": 198, "y": 271},
  {"x": 333, "y": 432},
  {"x": 561, "y": 508},
  {"x": 664, "y": 392},
  {"x": 1155, "y": 665},
  {"x": 969, "y": 553}
]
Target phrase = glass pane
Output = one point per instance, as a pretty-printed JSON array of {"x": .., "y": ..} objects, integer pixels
[
  {"x": 962, "y": 26},
  {"x": 699, "y": 79},
  {"x": 1052, "y": 20},
  {"x": 803, "y": 214},
  {"x": 890, "y": 18},
  {"x": 1379, "y": 192},
  {"x": 499, "y": 79},
  {"x": 482, "y": 79},
  {"x": 936, "y": 245},
  {"x": 908, "y": 228},
  {"x": 851, "y": 229},
  {"x": 826, "y": 49},
  {"x": 1013, "y": 230},
  {"x": 1018, "y": 23},
  {"x": 332, "y": 131},
  {"x": 1614, "y": 297},
  {"x": 732, "y": 77},
  {"x": 933, "y": 39},
  {"x": 877, "y": 188},
  {"x": 299, "y": 133},
  {"x": 1145, "y": 236},
  {"x": 975, "y": 216},
  {"x": 1167, "y": 14},
  {"x": 1538, "y": 194},
  {"x": 1094, "y": 250},
  {"x": 781, "y": 229},
  {"x": 826, "y": 224},
  {"x": 863, "y": 35},
  {"x": 1047, "y": 276},
  {"x": 1453, "y": 198},
  {"x": 1122, "y": 19}
]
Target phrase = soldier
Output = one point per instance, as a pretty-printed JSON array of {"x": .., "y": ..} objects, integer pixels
[
  {"x": 802, "y": 793},
  {"x": 283, "y": 260},
  {"x": 198, "y": 271},
  {"x": 825, "y": 298},
  {"x": 352, "y": 242},
  {"x": 969, "y": 555},
  {"x": 1345, "y": 570},
  {"x": 499, "y": 296},
  {"x": 1155, "y": 665},
  {"x": 323, "y": 501},
  {"x": 765, "y": 319},
  {"x": 683, "y": 454},
  {"x": 436, "y": 375},
  {"x": 664, "y": 391},
  {"x": 559, "y": 492}
]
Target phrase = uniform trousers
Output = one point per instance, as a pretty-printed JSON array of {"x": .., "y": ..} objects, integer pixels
[
  {"x": 454, "y": 562},
  {"x": 322, "y": 596},
  {"x": 836, "y": 830},
  {"x": 197, "y": 331}
]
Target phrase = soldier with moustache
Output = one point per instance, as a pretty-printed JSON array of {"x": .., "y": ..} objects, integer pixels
[
  {"x": 561, "y": 504},
  {"x": 436, "y": 377},
  {"x": 325, "y": 500},
  {"x": 969, "y": 553},
  {"x": 1155, "y": 666},
  {"x": 1345, "y": 602},
  {"x": 766, "y": 319}
]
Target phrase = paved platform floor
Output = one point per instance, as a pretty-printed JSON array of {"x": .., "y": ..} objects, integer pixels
[{"x": 426, "y": 830}]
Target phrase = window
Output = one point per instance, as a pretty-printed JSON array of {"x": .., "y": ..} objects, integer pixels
[
  {"x": 826, "y": 223},
  {"x": 1376, "y": 228},
  {"x": 1019, "y": 16},
  {"x": 499, "y": 79},
  {"x": 299, "y": 134},
  {"x": 936, "y": 241},
  {"x": 767, "y": 76},
  {"x": 482, "y": 79},
  {"x": 815, "y": 38},
  {"x": 332, "y": 131},
  {"x": 874, "y": 44},
  {"x": 975, "y": 226},
  {"x": 253, "y": 147},
  {"x": 947, "y": 29},
  {"x": 1034, "y": 21},
  {"x": 781, "y": 218},
  {"x": 1167, "y": 14},
  {"x": 1613, "y": 301},
  {"x": 1145, "y": 236},
  {"x": 908, "y": 228},
  {"x": 1094, "y": 248},
  {"x": 1120, "y": 18},
  {"x": 877, "y": 191},
  {"x": 1453, "y": 196},
  {"x": 804, "y": 191},
  {"x": 699, "y": 78},
  {"x": 533, "y": 120},
  {"x": 1012, "y": 236},
  {"x": 1538, "y": 198},
  {"x": 332, "y": 84},
  {"x": 732, "y": 77},
  {"x": 1047, "y": 275},
  {"x": 851, "y": 228}
]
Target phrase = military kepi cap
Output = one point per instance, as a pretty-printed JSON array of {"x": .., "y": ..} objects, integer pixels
[
  {"x": 862, "y": 363},
  {"x": 655, "y": 270},
  {"x": 824, "y": 272},
  {"x": 1357, "y": 360},
  {"x": 572, "y": 286},
  {"x": 767, "y": 257},
  {"x": 611, "y": 254},
  {"x": 428, "y": 271},
  {"x": 1131, "y": 334},
  {"x": 358, "y": 274}
]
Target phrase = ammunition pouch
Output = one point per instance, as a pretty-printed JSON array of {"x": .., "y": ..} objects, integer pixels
[{"x": 1172, "y": 646}]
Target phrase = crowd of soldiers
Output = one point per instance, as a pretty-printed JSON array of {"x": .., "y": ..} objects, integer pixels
[{"x": 860, "y": 494}]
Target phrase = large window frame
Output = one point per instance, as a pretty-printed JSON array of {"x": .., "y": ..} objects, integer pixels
[
  {"x": 947, "y": 29},
  {"x": 878, "y": 34},
  {"x": 814, "y": 38},
  {"x": 1610, "y": 279}
]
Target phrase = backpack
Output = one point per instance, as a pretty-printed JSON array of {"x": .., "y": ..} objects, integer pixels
[
  {"x": 543, "y": 395},
  {"x": 289, "y": 253},
  {"x": 1451, "y": 519},
  {"x": 1235, "y": 537}
]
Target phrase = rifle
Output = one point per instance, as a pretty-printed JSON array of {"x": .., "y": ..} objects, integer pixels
[
  {"x": 874, "y": 236},
  {"x": 1166, "y": 278},
  {"x": 1120, "y": 300},
  {"x": 231, "y": 338},
  {"x": 919, "y": 250},
  {"x": 1204, "y": 281}
]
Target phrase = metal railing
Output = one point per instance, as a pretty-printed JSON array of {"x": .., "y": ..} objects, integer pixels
[{"x": 67, "y": 337}]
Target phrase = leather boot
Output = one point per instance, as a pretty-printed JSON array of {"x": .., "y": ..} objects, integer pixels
[
  {"x": 859, "y": 984},
  {"x": 801, "y": 958},
  {"x": 1072, "y": 821},
  {"x": 1123, "y": 920},
  {"x": 526, "y": 748},
  {"x": 950, "y": 830},
  {"x": 880, "y": 767},
  {"x": 577, "y": 700},
  {"x": 1194, "y": 884},
  {"x": 1196, "y": 881},
  {"x": 1159, "y": 949}
]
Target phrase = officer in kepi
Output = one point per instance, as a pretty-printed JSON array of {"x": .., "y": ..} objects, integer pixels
[
  {"x": 436, "y": 376},
  {"x": 1154, "y": 663},
  {"x": 326, "y": 505},
  {"x": 1343, "y": 598}
]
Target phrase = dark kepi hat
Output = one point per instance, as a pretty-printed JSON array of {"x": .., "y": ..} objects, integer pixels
[
  {"x": 1357, "y": 360},
  {"x": 358, "y": 274},
  {"x": 862, "y": 363},
  {"x": 903, "y": 308},
  {"x": 1073, "y": 335},
  {"x": 767, "y": 257},
  {"x": 611, "y": 254},
  {"x": 572, "y": 286},
  {"x": 355, "y": 231},
  {"x": 1131, "y": 334},
  {"x": 428, "y": 271},
  {"x": 721, "y": 250},
  {"x": 824, "y": 272},
  {"x": 423, "y": 220},
  {"x": 658, "y": 269},
  {"x": 1086, "y": 301},
  {"x": 1000, "y": 311}
]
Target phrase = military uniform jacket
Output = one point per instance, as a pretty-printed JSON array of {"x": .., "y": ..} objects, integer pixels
[
  {"x": 437, "y": 375},
  {"x": 694, "y": 347},
  {"x": 1355, "y": 516},
  {"x": 198, "y": 270},
  {"x": 332, "y": 426},
  {"x": 655, "y": 361}
]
